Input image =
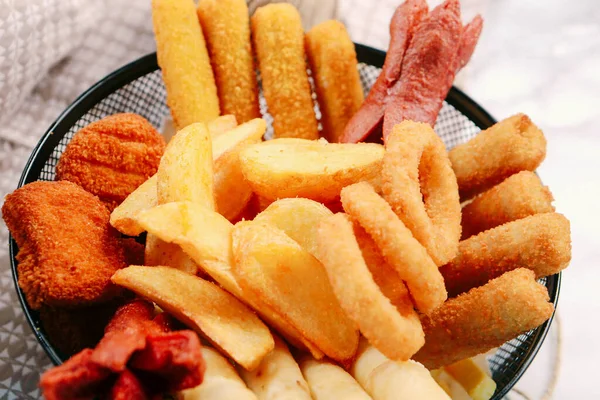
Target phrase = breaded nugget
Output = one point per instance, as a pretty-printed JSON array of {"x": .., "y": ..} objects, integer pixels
[
  {"x": 184, "y": 61},
  {"x": 279, "y": 44},
  {"x": 541, "y": 243},
  {"x": 111, "y": 157},
  {"x": 227, "y": 29},
  {"x": 333, "y": 63},
  {"x": 484, "y": 318},
  {"x": 512, "y": 145},
  {"x": 67, "y": 249},
  {"x": 519, "y": 196}
]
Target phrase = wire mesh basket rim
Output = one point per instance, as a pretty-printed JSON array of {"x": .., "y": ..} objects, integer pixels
[{"x": 148, "y": 64}]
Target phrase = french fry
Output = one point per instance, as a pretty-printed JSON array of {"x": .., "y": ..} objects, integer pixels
[
  {"x": 298, "y": 218},
  {"x": 123, "y": 218},
  {"x": 158, "y": 252},
  {"x": 291, "y": 281},
  {"x": 316, "y": 170},
  {"x": 221, "y": 381},
  {"x": 278, "y": 376},
  {"x": 221, "y": 125},
  {"x": 215, "y": 314},
  {"x": 248, "y": 132}
]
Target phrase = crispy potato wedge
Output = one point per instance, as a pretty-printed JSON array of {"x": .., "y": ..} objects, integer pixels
[
  {"x": 185, "y": 172},
  {"x": 222, "y": 124},
  {"x": 316, "y": 170},
  {"x": 249, "y": 132},
  {"x": 215, "y": 314},
  {"x": 290, "y": 280},
  {"x": 158, "y": 252},
  {"x": 298, "y": 218},
  {"x": 123, "y": 218},
  {"x": 278, "y": 377}
]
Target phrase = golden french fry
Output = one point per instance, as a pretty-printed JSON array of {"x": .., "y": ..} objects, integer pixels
[
  {"x": 212, "y": 312},
  {"x": 316, "y": 170},
  {"x": 478, "y": 384},
  {"x": 329, "y": 381},
  {"x": 278, "y": 376},
  {"x": 298, "y": 218},
  {"x": 283, "y": 275},
  {"x": 220, "y": 382},
  {"x": 123, "y": 218}
]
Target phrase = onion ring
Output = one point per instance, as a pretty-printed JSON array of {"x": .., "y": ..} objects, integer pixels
[
  {"x": 420, "y": 185},
  {"x": 397, "y": 244},
  {"x": 398, "y": 336}
]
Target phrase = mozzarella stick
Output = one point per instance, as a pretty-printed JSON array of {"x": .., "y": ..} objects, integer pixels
[
  {"x": 183, "y": 59},
  {"x": 278, "y": 377},
  {"x": 519, "y": 196},
  {"x": 332, "y": 59},
  {"x": 541, "y": 243},
  {"x": 512, "y": 145},
  {"x": 227, "y": 29},
  {"x": 384, "y": 379},
  {"x": 220, "y": 382},
  {"x": 484, "y": 318},
  {"x": 329, "y": 381},
  {"x": 279, "y": 44}
]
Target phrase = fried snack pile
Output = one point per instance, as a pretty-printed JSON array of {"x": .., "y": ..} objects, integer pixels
[{"x": 138, "y": 357}]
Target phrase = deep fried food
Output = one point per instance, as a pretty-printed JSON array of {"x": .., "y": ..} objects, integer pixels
[
  {"x": 134, "y": 252},
  {"x": 332, "y": 59},
  {"x": 512, "y": 145},
  {"x": 484, "y": 318},
  {"x": 67, "y": 249},
  {"x": 400, "y": 249},
  {"x": 279, "y": 44},
  {"x": 111, "y": 157},
  {"x": 397, "y": 333},
  {"x": 227, "y": 29},
  {"x": 541, "y": 243},
  {"x": 518, "y": 196},
  {"x": 184, "y": 61},
  {"x": 419, "y": 184}
]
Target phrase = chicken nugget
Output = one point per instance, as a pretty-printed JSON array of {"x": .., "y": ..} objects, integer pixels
[
  {"x": 510, "y": 146},
  {"x": 333, "y": 63},
  {"x": 67, "y": 249},
  {"x": 541, "y": 243},
  {"x": 519, "y": 196},
  {"x": 279, "y": 44},
  {"x": 227, "y": 29},
  {"x": 111, "y": 157},
  {"x": 484, "y": 318},
  {"x": 184, "y": 62}
]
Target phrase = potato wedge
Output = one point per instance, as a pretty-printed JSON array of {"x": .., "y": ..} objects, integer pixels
[
  {"x": 221, "y": 381},
  {"x": 158, "y": 252},
  {"x": 222, "y": 124},
  {"x": 316, "y": 170},
  {"x": 215, "y": 314},
  {"x": 290, "y": 280},
  {"x": 123, "y": 218},
  {"x": 250, "y": 132},
  {"x": 278, "y": 376},
  {"x": 298, "y": 218}
]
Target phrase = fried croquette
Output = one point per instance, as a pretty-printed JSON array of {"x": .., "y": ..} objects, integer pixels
[
  {"x": 111, "y": 157},
  {"x": 67, "y": 249},
  {"x": 484, "y": 318},
  {"x": 279, "y": 44},
  {"x": 227, "y": 29}
]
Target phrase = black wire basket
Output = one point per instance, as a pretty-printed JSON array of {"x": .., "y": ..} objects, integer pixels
[{"x": 138, "y": 88}]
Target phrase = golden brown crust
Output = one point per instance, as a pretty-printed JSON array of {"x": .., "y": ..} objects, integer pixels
[
  {"x": 67, "y": 249},
  {"x": 279, "y": 44},
  {"x": 111, "y": 157}
]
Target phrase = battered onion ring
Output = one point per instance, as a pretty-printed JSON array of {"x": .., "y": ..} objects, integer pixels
[
  {"x": 397, "y": 335},
  {"x": 421, "y": 187},
  {"x": 398, "y": 246}
]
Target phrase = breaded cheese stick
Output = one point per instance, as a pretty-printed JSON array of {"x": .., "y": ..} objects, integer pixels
[
  {"x": 484, "y": 318},
  {"x": 183, "y": 59},
  {"x": 221, "y": 382},
  {"x": 226, "y": 25},
  {"x": 332, "y": 59},
  {"x": 278, "y": 377},
  {"x": 518, "y": 196},
  {"x": 279, "y": 44},
  {"x": 512, "y": 145},
  {"x": 330, "y": 381},
  {"x": 541, "y": 243}
]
